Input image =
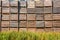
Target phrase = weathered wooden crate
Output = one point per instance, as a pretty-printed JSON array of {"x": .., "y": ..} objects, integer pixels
[
  {"x": 5, "y": 24},
  {"x": 0, "y": 3},
  {"x": 13, "y": 29},
  {"x": 49, "y": 29},
  {"x": 0, "y": 16},
  {"x": 56, "y": 9},
  {"x": 32, "y": 29},
  {"x": 4, "y": 29},
  {"x": 22, "y": 29},
  {"x": 30, "y": 10},
  {"x": 39, "y": 3},
  {"x": 14, "y": 17},
  {"x": 39, "y": 10},
  {"x": 56, "y": 3},
  {"x": 31, "y": 4},
  {"x": 36, "y": 0},
  {"x": 13, "y": 23},
  {"x": 56, "y": 23},
  {"x": 47, "y": 2},
  {"x": 56, "y": 29},
  {"x": 56, "y": 16},
  {"x": 40, "y": 30},
  {"x": 23, "y": 24},
  {"x": 48, "y": 10},
  {"x": 14, "y": 3},
  {"x": 39, "y": 16},
  {"x": 31, "y": 16},
  {"x": 4, "y": 0},
  {"x": 22, "y": 17},
  {"x": 39, "y": 23},
  {"x": 5, "y": 10},
  {"x": 5, "y": 17},
  {"x": 23, "y": 3},
  {"x": 0, "y": 9},
  {"x": 48, "y": 17},
  {"x": 14, "y": 10},
  {"x": 5, "y": 3},
  {"x": 48, "y": 23},
  {"x": 31, "y": 23},
  {"x": 22, "y": 10}
]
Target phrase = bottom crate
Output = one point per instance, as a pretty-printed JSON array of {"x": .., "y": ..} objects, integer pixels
[
  {"x": 22, "y": 29},
  {"x": 4, "y": 29},
  {"x": 13, "y": 29},
  {"x": 56, "y": 29},
  {"x": 40, "y": 30},
  {"x": 32, "y": 29},
  {"x": 49, "y": 30}
]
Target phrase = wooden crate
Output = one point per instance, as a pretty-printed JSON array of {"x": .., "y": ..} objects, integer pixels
[
  {"x": 23, "y": 24},
  {"x": 49, "y": 29},
  {"x": 13, "y": 29},
  {"x": 5, "y": 24},
  {"x": 39, "y": 10},
  {"x": 5, "y": 10},
  {"x": 22, "y": 17},
  {"x": 14, "y": 10},
  {"x": 4, "y": 0},
  {"x": 14, "y": 17},
  {"x": 0, "y": 17},
  {"x": 30, "y": 10},
  {"x": 23, "y": 3},
  {"x": 56, "y": 29},
  {"x": 5, "y": 3},
  {"x": 40, "y": 30},
  {"x": 48, "y": 23},
  {"x": 39, "y": 23},
  {"x": 48, "y": 10},
  {"x": 47, "y": 2},
  {"x": 31, "y": 4},
  {"x": 56, "y": 23},
  {"x": 14, "y": 3},
  {"x": 31, "y": 16},
  {"x": 0, "y": 3},
  {"x": 56, "y": 16},
  {"x": 56, "y": 9},
  {"x": 31, "y": 23},
  {"x": 39, "y": 3},
  {"x": 32, "y": 29},
  {"x": 36, "y": 0},
  {"x": 39, "y": 16},
  {"x": 22, "y": 29},
  {"x": 48, "y": 16},
  {"x": 56, "y": 3},
  {"x": 0, "y": 9},
  {"x": 5, "y": 17},
  {"x": 13, "y": 23},
  {"x": 22, "y": 10},
  {"x": 4, "y": 29}
]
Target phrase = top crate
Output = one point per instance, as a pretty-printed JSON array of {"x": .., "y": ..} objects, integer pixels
[
  {"x": 14, "y": 3},
  {"x": 5, "y": 3}
]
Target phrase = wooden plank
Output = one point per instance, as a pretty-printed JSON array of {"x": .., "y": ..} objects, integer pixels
[
  {"x": 13, "y": 29},
  {"x": 40, "y": 30},
  {"x": 22, "y": 29},
  {"x": 49, "y": 29},
  {"x": 32, "y": 29},
  {"x": 4, "y": 29}
]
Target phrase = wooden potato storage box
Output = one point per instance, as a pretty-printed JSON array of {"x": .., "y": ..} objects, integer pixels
[
  {"x": 5, "y": 9},
  {"x": 13, "y": 23},
  {"x": 31, "y": 24},
  {"x": 4, "y": 29},
  {"x": 5, "y": 24},
  {"x": 23, "y": 10},
  {"x": 0, "y": 9},
  {"x": 40, "y": 30},
  {"x": 48, "y": 16},
  {"x": 5, "y": 3},
  {"x": 23, "y": 24},
  {"x": 13, "y": 16},
  {"x": 39, "y": 16},
  {"x": 56, "y": 16},
  {"x": 13, "y": 29},
  {"x": 31, "y": 16},
  {"x": 22, "y": 17},
  {"x": 39, "y": 23},
  {"x": 32, "y": 29},
  {"x": 22, "y": 29},
  {"x": 48, "y": 23},
  {"x": 14, "y": 3},
  {"x": 5, "y": 17},
  {"x": 14, "y": 10}
]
